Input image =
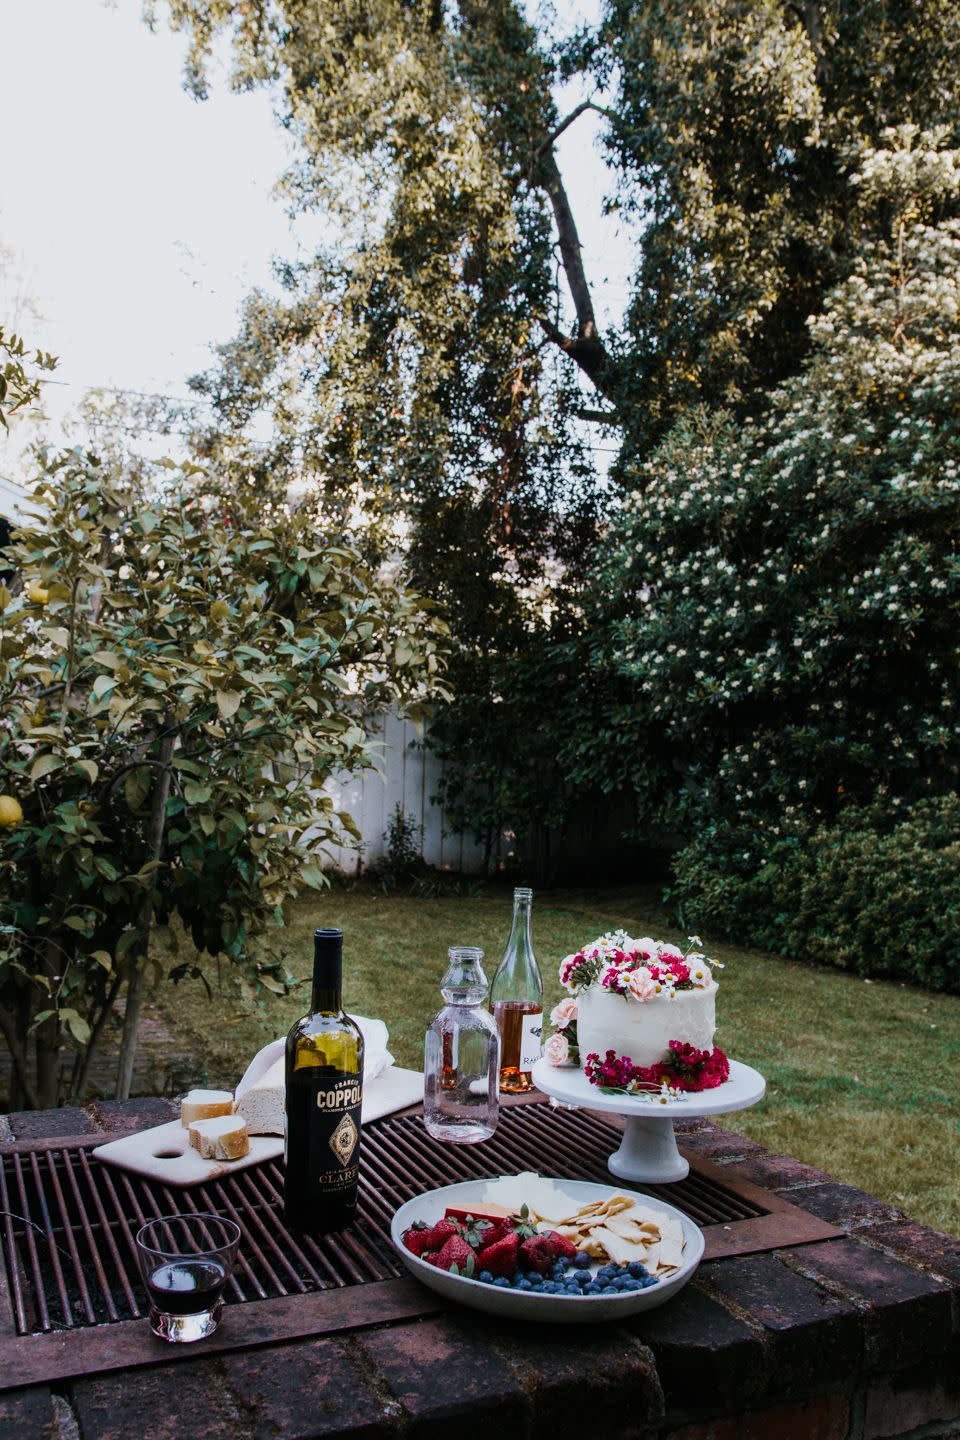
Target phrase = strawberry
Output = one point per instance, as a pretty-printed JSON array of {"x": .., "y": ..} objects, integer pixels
[
  {"x": 481, "y": 1233},
  {"x": 456, "y": 1256},
  {"x": 500, "y": 1258},
  {"x": 537, "y": 1253},
  {"x": 438, "y": 1234},
  {"x": 562, "y": 1247},
  {"x": 522, "y": 1225},
  {"x": 415, "y": 1238}
]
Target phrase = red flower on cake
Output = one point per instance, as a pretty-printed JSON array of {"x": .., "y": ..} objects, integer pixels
[{"x": 688, "y": 1069}]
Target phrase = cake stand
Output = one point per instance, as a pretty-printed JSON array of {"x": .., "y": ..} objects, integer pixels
[{"x": 648, "y": 1151}]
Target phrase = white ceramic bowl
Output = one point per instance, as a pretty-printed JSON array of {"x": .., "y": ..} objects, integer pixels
[{"x": 526, "y": 1304}]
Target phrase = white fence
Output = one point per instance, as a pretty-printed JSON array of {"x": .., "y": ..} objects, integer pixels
[{"x": 406, "y": 774}]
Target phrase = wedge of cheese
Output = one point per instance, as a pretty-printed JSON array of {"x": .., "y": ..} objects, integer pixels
[
  {"x": 224, "y": 1137},
  {"x": 204, "y": 1105}
]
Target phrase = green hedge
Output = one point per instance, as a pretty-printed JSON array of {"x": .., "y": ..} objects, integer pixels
[{"x": 876, "y": 892}]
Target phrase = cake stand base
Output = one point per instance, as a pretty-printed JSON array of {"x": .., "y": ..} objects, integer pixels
[{"x": 648, "y": 1150}]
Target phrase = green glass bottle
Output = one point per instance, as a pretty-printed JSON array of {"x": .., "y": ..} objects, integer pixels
[{"x": 324, "y": 1091}]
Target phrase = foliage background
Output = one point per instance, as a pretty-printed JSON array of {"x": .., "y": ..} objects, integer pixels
[{"x": 747, "y": 626}]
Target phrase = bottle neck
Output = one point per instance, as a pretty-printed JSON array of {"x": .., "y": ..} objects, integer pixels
[
  {"x": 327, "y": 972},
  {"x": 521, "y": 941},
  {"x": 518, "y": 975}
]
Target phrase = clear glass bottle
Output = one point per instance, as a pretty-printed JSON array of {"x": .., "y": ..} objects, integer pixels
[
  {"x": 461, "y": 1056},
  {"x": 516, "y": 997}
]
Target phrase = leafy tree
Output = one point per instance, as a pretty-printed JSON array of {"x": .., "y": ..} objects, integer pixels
[
  {"x": 733, "y": 129},
  {"x": 179, "y": 674},
  {"x": 792, "y": 582},
  {"x": 19, "y": 383},
  {"x": 447, "y": 347}
]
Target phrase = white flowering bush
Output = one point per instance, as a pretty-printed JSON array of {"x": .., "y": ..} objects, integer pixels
[{"x": 789, "y": 588}]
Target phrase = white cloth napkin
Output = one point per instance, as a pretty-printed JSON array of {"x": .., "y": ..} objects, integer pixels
[{"x": 376, "y": 1056}]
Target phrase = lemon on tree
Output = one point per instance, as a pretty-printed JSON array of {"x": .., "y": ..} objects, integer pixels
[{"x": 10, "y": 812}]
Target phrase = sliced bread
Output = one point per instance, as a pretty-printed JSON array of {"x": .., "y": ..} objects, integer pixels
[
  {"x": 205, "y": 1105},
  {"x": 224, "y": 1137},
  {"x": 262, "y": 1105}
]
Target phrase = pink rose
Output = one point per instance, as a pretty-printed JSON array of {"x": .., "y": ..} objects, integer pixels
[
  {"x": 670, "y": 952},
  {"x": 556, "y": 1050},
  {"x": 641, "y": 984},
  {"x": 562, "y": 1014}
]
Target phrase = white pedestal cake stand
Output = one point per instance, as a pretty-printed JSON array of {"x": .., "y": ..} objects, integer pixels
[{"x": 648, "y": 1150}]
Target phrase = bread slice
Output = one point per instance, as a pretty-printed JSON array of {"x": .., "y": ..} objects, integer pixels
[
  {"x": 222, "y": 1138},
  {"x": 204, "y": 1105},
  {"x": 263, "y": 1104}
]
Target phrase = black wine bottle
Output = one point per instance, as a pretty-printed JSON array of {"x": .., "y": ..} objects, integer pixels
[{"x": 324, "y": 1088}]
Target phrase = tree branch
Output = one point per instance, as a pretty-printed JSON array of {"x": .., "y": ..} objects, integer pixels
[
  {"x": 575, "y": 114},
  {"x": 808, "y": 13},
  {"x": 586, "y": 346},
  {"x": 19, "y": 1057}
]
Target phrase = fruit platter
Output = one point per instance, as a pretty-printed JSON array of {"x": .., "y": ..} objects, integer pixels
[{"x": 556, "y": 1250}]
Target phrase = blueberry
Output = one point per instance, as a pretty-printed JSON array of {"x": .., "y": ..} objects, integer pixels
[
  {"x": 523, "y": 1285},
  {"x": 637, "y": 1269},
  {"x": 581, "y": 1260},
  {"x": 536, "y": 1281},
  {"x": 582, "y": 1278},
  {"x": 486, "y": 1277},
  {"x": 647, "y": 1282},
  {"x": 549, "y": 1287},
  {"x": 592, "y": 1289},
  {"x": 516, "y": 1277},
  {"x": 503, "y": 1282}
]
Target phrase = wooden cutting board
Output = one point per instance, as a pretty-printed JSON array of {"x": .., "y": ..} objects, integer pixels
[{"x": 164, "y": 1153}]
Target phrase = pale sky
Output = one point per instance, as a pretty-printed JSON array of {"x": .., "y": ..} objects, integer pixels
[{"x": 139, "y": 218}]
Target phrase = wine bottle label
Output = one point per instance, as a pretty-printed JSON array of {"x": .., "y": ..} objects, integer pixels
[
  {"x": 334, "y": 1134},
  {"x": 530, "y": 1040}
]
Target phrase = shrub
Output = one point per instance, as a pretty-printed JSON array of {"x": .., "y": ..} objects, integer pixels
[
  {"x": 877, "y": 891},
  {"x": 179, "y": 675}
]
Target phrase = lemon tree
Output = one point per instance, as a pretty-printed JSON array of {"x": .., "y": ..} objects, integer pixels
[{"x": 178, "y": 677}]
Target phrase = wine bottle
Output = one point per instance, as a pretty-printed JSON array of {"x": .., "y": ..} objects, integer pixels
[
  {"x": 324, "y": 1088},
  {"x": 516, "y": 996}
]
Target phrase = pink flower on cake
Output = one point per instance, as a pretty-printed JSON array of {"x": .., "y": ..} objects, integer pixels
[
  {"x": 641, "y": 984},
  {"x": 670, "y": 952},
  {"x": 614, "y": 979},
  {"x": 562, "y": 1014},
  {"x": 556, "y": 1050}
]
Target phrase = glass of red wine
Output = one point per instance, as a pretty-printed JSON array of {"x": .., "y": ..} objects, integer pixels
[{"x": 185, "y": 1262}]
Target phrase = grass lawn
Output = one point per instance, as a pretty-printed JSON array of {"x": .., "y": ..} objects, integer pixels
[{"x": 862, "y": 1076}]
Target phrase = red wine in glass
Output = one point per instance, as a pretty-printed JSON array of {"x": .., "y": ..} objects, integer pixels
[{"x": 188, "y": 1286}]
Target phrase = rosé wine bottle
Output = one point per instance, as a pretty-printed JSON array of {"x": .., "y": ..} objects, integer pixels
[{"x": 516, "y": 998}]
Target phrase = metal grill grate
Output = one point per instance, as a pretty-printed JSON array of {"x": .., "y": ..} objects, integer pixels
[{"x": 69, "y": 1222}]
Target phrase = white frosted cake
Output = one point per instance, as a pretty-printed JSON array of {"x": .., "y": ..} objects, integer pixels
[
  {"x": 641, "y": 1030},
  {"x": 641, "y": 1014}
]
